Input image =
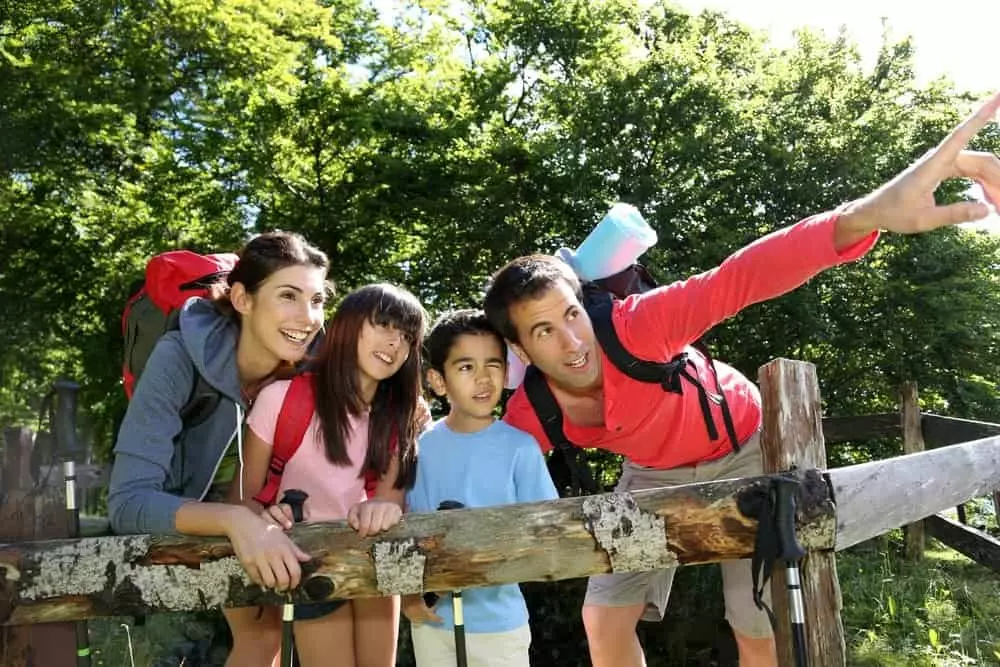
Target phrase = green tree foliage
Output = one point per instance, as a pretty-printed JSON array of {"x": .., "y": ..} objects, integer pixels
[
  {"x": 116, "y": 122},
  {"x": 431, "y": 144}
]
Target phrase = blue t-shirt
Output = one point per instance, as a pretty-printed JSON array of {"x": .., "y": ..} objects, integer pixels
[{"x": 499, "y": 465}]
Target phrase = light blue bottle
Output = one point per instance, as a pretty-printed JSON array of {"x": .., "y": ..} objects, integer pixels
[{"x": 617, "y": 241}]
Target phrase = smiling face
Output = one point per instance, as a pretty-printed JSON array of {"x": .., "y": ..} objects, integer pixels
[
  {"x": 556, "y": 335},
  {"x": 282, "y": 317},
  {"x": 382, "y": 350},
  {"x": 472, "y": 378}
]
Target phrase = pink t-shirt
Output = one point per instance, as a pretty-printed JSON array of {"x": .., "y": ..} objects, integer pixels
[{"x": 332, "y": 489}]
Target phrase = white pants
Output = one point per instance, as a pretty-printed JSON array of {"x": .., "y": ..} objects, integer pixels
[{"x": 435, "y": 647}]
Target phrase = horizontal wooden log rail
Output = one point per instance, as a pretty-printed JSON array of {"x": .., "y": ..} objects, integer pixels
[
  {"x": 53, "y": 581},
  {"x": 546, "y": 541},
  {"x": 861, "y": 427},
  {"x": 873, "y": 498},
  {"x": 61, "y": 580},
  {"x": 941, "y": 430},
  {"x": 977, "y": 545}
]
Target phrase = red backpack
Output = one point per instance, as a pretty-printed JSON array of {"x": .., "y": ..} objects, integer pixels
[
  {"x": 171, "y": 278},
  {"x": 289, "y": 432}
]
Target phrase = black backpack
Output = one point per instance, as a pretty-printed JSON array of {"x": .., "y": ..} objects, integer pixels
[{"x": 571, "y": 474}]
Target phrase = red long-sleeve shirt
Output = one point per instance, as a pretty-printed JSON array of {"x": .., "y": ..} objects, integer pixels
[{"x": 660, "y": 429}]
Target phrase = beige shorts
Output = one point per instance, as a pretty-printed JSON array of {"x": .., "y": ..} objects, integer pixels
[
  {"x": 653, "y": 588},
  {"x": 433, "y": 647}
]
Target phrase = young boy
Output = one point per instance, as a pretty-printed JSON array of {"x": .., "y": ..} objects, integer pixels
[{"x": 472, "y": 458}]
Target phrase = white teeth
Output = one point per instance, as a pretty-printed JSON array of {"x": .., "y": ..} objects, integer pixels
[
  {"x": 384, "y": 357},
  {"x": 297, "y": 336},
  {"x": 579, "y": 362}
]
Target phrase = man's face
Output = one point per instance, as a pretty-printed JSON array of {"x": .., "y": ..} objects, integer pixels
[{"x": 556, "y": 335}]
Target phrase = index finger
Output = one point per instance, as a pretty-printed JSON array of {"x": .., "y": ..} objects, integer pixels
[
  {"x": 960, "y": 137},
  {"x": 281, "y": 514}
]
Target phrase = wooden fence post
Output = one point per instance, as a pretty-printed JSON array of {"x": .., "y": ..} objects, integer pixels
[
  {"x": 31, "y": 511},
  {"x": 793, "y": 438},
  {"x": 913, "y": 442}
]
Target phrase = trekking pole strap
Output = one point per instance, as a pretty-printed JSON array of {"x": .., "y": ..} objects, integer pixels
[{"x": 773, "y": 506}]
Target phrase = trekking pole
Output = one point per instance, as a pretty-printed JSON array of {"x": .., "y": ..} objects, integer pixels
[
  {"x": 64, "y": 426},
  {"x": 791, "y": 552},
  {"x": 296, "y": 499},
  {"x": 461, "y": 657}
]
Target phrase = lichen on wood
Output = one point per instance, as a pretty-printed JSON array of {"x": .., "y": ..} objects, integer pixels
[
  {"x": 399, "y": 567},
  {"x": 634, "y": 540},
  {"x": 107, "y": 564}
]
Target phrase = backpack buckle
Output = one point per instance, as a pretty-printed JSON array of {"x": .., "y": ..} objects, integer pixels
[{"x": 672, "y": 374}]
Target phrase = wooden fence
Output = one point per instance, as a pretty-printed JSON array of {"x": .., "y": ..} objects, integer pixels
[{"x": 46, "y": 584}]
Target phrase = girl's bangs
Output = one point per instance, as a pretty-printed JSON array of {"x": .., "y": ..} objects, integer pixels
[{"x": 400, "y": 312}]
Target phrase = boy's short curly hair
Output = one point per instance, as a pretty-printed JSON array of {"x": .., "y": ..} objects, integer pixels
[{"x": 448, "y": 327}]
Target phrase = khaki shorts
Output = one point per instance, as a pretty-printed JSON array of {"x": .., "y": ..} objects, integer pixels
[
  {"x": 653, "y": 588},
  {"x": 434, "y": 647}
]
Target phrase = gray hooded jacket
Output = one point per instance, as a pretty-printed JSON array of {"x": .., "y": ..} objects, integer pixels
[{"x": 158, "y": 465}]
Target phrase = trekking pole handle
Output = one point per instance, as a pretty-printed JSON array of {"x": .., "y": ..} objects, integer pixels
[
  {"x": 65, "y": 417},
  {"x": 296, "y": 499},
  {"x": 784, "y": 490}
]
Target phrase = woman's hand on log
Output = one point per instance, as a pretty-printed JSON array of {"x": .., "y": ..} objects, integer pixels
[{"x": 267, "y": 554}]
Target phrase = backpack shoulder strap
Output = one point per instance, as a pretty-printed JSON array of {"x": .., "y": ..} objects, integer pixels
[
  {"x": 545, "y": 406},
  {"x": 719, "y": 397},
  {"x": 668, "y": 374},
  {"x": 599, "y": 305},
  {"x": 293, "y": 421},
  {"x": 549, "y": 414},
  {"x": 204, "y": 398}
]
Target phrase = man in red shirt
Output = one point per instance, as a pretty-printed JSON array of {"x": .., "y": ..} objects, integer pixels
[{"x": 535, "y": 302}]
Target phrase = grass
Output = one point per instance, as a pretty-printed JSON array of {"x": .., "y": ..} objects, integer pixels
[
  {"x": 162, "y": 640},
  {"x": 941, "y": 612}
]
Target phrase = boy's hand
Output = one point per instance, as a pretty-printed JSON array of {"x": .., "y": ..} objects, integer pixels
[
  {"x": 415, "y": 609},
  {"x": 374, "y": 516}
]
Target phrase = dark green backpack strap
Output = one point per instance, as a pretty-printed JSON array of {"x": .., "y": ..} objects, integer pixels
[
  {"x": 599, "y": 305},
  {"x": 569, "y": 463},
  {"x": 202, "y": 402}
]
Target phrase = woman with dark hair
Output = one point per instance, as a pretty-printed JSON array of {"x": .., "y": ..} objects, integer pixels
[
  {"x": 262, "y": 324},
  {"x": 368, "y": 412}
]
